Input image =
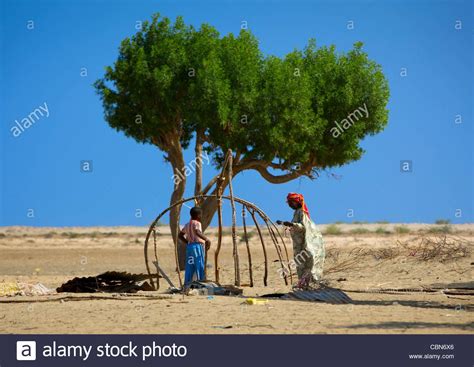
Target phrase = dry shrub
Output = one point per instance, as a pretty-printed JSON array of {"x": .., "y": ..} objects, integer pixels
[
  {"x": 388, "y": 253},
  {"x": 343, "y": 261},
  {"x": 441, "y": 248}
]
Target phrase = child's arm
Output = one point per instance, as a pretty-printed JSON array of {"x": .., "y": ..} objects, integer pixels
[
  {"x": 201, "y": 236},
  {"x": 182, "y": 237}
]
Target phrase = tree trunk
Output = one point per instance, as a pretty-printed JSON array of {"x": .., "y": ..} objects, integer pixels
[
  {"x": 209, "y": 208},
  {"x": 198, "y": 159},
  {"x": 175, "y": 157}
]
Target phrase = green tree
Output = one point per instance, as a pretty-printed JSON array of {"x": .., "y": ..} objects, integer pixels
[{"x": 172, "y": 82}]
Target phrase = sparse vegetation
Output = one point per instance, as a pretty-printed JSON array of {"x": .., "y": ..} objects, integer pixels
[
  {"x": 110, "y": 234},
  {"x": 441, "y": 249},
  {"x": 401, "y": 229},
  {"x": 70, "y": 234},
  {"x": 388, "y": 253},
  {"x": 359, "y": 230},
  {"x": 50, "y": 234},
  {"x": 382, "y": 230},
  {"x": 359, "y": 222},
  {"x": 442, "y": 221},
  {"x": 442, "y": 229},
  {"x": 332, "y": 229},
  {"x": 250, "y": 235},
  {"x": 226, "y": 231},
  {"x": 382, "y": 222}
]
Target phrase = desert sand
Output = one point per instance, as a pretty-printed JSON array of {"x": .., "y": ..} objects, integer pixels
[{"x": 361, "y": 259}]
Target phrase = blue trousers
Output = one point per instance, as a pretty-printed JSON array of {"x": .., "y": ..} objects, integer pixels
[{"x": 194, "y": 262}]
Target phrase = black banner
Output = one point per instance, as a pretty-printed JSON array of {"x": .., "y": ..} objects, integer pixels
[{"x": 235, "y": 350}]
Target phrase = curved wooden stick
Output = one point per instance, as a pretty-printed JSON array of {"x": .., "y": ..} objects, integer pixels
[
  {"x": 145, "y": 250},
  {"x": 234, "y": 223},
  {"x": 177, "y": 263},
  {"x": 265, "y": 274},
  {"x": 156, "y": 258},
  {"x": 219, "y": 239},
  {"x": 278, "y": 250},
  {"x": 286, "y": 249},
  {"x": 244, "y": 212}
]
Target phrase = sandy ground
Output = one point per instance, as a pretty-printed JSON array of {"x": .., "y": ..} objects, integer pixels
[{"x": 359, "y": 263}]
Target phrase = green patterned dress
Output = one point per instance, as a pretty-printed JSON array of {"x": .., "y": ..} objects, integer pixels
[{"x": 308, "y": 249}]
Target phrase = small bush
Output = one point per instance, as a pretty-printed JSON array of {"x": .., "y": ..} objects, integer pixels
[
  {"x": 226, "y": 231},
  {"x": 442, "y": 221},
  {"x": 110, "y": 234},
  {"x": 383, "y": 222},
  {"x": 359, "y": 231},
  {"x": 381, "y": 230},
  {"x": 359, "y": 222},
  {"x": 332, "y": 229},
  {"x": 442, "y": 229},
  {"x": 402, "y": 229},
  {"x": 250, "y": 235}
]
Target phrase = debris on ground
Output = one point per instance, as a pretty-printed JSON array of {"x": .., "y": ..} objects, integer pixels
[
  {"x": 255, "y": 301},
  {"x": 111, "y": 281},
  {"x": 323, "y": 294},
  {"x": 11, "y": 289},
  {"x": 464, "y": 288},
  {"x": 204, "y": 288}
]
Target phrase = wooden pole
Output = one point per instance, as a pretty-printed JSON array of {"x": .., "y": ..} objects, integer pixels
[
  {"x": 265, "y": 274},
  {"x": 219, "y": 239},
  {"x": 244, "y": 213},
  {"x": 156, "y": 259},
  {"x": 234, "y": 223},
  {"x": 278, "y": 250}
]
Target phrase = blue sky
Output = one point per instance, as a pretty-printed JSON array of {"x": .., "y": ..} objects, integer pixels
[{"x": 41, "y": 182}]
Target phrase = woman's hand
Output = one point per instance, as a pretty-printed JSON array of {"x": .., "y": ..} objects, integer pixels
[{"x": 285, "y": 223}]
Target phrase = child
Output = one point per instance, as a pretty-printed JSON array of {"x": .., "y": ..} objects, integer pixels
[{"x": 195, "y": 239}]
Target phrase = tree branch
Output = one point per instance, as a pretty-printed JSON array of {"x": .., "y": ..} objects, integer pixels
[
  {"x": 210, "y": 184},
  {"x": 262, "y": 168},
  {"x": 198, "y": 159}
]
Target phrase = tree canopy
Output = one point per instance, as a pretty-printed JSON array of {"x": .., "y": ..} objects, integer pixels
[{"x": 172, "y": 81}]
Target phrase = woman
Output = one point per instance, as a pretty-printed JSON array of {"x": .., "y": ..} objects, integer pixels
[{"x": 308, "y": 245}]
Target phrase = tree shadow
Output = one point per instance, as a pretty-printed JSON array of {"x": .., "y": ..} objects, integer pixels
[
  {"x": 411, "y": 325},
  {"x": 413, "y": 303}
]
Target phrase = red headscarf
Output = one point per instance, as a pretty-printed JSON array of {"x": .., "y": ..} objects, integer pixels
[{"x": 299, "y": 199}]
